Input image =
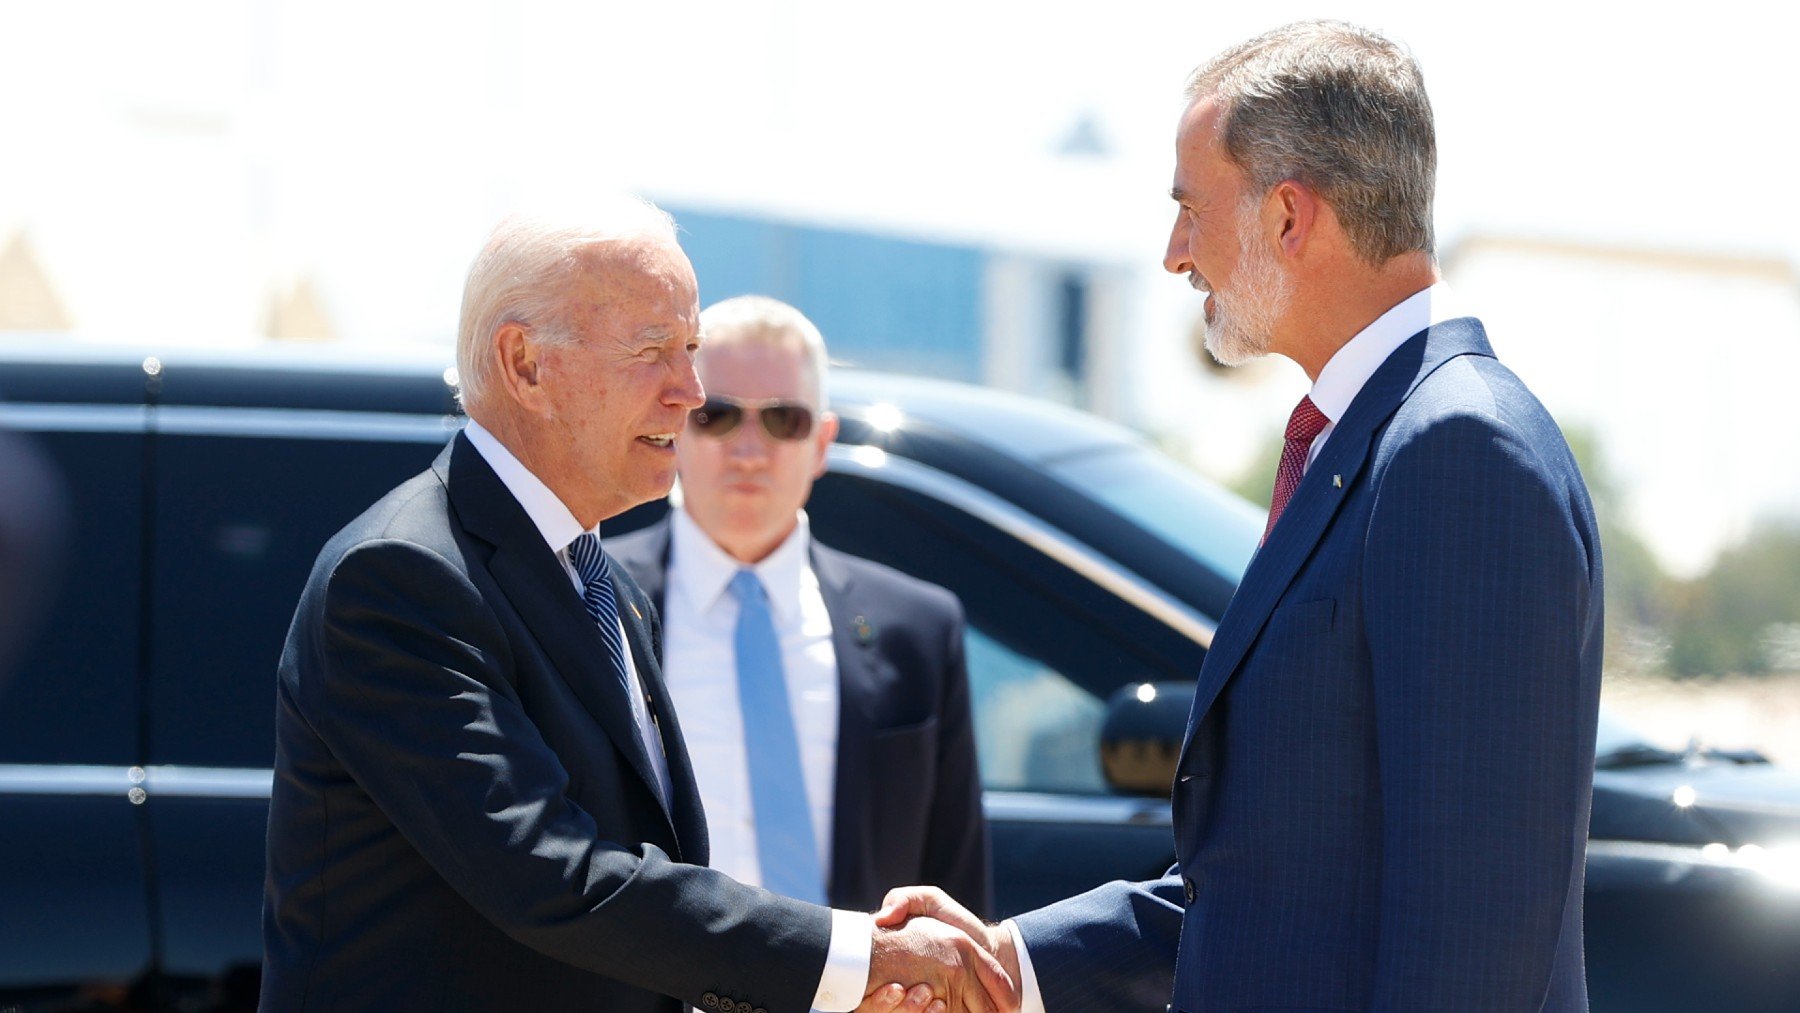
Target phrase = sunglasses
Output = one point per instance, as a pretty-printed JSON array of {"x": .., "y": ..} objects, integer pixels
[{"x": 782, "y": 420}]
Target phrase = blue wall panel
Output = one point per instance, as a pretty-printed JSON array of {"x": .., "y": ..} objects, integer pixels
[{"x": 884, "y": 303}]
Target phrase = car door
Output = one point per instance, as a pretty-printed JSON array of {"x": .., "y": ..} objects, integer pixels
[
  {"x": 75, "y": 920},
  {"x": 1047, "y": 645},
  {"x": 245, "y": 499}
]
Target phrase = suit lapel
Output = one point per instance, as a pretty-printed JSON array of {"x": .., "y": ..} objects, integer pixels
[
  {"x": 1327, "y": 482},
  {"x": 856, "y": 721},
  {"x": 683, "y": 806},
  {"x": 540, "y": 591}
]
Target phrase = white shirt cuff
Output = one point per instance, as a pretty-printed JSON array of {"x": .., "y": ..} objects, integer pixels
[
  {"x": 1030, "y": 999},
  {"x": 846, "y": 976}
]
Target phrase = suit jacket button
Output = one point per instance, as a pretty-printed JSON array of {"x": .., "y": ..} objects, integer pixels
[
  {"x": 744, "y": 1007},
  {"x": 759, "y": 1009},
  {"x": 1187, "y": 889},
  {"x": 710, "y": 1000}
]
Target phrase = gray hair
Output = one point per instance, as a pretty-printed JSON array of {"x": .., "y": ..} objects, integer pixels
[
  {"x": 521, "y": 275},
  {"x": 1339, "y": 109},
  {"x": 758, "y": 319}
]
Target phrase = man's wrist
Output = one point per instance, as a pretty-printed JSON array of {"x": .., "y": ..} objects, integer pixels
[{"x": 1018, "y": 964}]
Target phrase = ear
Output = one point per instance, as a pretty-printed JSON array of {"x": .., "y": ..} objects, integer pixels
[
  {"x": 518, "y": 367},
  {"x": 822, "y": 435},
  {"x": 1296, "y": 208}
]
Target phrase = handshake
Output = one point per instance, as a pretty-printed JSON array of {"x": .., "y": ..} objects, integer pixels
[{"x": 954, "y": 962}]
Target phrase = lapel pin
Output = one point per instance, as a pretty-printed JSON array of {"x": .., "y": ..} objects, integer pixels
[
  {"x": 864, "y": 632},
  {"x": 1337, "y": 481},
  {"x": 634, "y": 609}
]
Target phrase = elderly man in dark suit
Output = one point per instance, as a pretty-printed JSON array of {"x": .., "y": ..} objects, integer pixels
[
  {"x": 839, "y": 763},
  {"x": 481, "y": 798},
  {"x": 1382, "y": 803}
]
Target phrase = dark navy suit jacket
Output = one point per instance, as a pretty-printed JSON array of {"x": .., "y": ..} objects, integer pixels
[
  {"x": 907, "y": 807},
  {"x": 1383, "y": 800},
  {"x": 464, "y": 814}
]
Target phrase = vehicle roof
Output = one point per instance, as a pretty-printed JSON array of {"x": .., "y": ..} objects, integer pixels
[
  {"x": 1023, "y": 427},
  {"x": 58, "y": 369},
  {"x": 415, "y": 378}
]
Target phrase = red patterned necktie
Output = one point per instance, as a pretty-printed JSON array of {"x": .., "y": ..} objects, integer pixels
[{"x": 1303, "y": 427}]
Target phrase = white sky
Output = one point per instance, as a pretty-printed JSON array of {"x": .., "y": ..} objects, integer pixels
[{"x": 175, "y": 162}]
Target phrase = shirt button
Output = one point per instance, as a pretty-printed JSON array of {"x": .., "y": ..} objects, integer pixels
[{"x": 1187, "y": 889}]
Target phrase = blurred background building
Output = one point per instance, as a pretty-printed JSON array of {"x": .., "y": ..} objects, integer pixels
[{"x": 973, "y": 191}]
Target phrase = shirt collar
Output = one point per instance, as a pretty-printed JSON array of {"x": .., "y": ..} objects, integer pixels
[
  {"x": 703, "y": 570},
  {"x": 1343, "y": 377},
  {"x": 554, "y": 521}
]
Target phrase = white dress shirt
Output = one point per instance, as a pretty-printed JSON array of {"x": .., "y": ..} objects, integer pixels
[
  {"x": 1338, "y": 384},
  {"x": 852, "y": 932},
  {"x": 1344, "y": 375},
  {"x": 700, "y": 665}
]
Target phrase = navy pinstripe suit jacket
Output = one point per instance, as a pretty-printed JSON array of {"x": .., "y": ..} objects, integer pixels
[{"x": 1383, "y": 800}]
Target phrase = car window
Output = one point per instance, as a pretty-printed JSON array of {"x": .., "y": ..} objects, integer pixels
[
  {"x": 1045, "y": 646},
  {"x": 239, "y": 522},
  {"x": 1035, "y": 729},
  {"x": 1166, "y": 499},
  {"x": 74, "y": 695}
]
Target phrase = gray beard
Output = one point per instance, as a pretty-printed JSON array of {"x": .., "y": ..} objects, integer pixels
[{"x": 1245, "y": 324}]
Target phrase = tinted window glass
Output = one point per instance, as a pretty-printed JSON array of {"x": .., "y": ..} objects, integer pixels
[
  {"x": 74, "y": 695},
  {"x": 1036, "y": 729},
  {"x": 239, "y": 523},
  {"x": 1045, "y": 646},
  {"x": 1172, "y": 502}
]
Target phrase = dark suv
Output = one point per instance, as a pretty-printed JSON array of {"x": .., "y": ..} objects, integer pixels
[{"x": 136, "y": 739}]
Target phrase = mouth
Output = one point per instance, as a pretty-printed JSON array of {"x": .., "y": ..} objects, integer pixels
[{"x": 661, "y": 441}]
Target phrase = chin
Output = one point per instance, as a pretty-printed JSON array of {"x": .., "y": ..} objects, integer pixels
[{"x": 1229, "y": 346}]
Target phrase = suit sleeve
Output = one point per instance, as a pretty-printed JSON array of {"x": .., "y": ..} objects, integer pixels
[
  {"x": 415, "y": 703},
  {"x": 958, "y": 857},
  {"x": 1111, "y": 948},
  {"x": 1482, "y": 604}
]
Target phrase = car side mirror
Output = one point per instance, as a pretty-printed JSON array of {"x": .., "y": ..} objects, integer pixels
[{"x": 1140, "y": 740}]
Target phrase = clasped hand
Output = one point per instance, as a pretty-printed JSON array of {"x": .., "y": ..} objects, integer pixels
[{"x": 953, "y": 961}]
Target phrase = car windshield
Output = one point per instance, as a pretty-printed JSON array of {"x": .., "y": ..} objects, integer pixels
[{"x": 1168, "y": 499}]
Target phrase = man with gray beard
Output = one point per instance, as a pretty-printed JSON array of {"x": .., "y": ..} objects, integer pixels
[{"x": 1382, "y": 801}]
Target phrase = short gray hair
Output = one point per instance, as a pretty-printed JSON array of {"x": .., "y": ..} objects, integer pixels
[
  {"x": 758, "y": 319},
  {"x": 522, "y": 273},
  {"x": 1342, "y": 110}
]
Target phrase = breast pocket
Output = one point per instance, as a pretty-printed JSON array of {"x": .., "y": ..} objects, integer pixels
[{"x": 1296, "y": 620}]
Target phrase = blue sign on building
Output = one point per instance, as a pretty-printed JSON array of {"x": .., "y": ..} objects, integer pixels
[{"x": 881, "y": 302}]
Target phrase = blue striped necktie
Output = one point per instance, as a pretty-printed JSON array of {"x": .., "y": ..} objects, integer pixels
[
  {"x": 597, "y": 595},
  {"x": 785, "y": 846}
]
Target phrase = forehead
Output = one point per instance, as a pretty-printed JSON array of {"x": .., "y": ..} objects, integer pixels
[
  {"x": 1199, "y": 144},
  {"x": 625, "y": 281},
  {"x": 755, "y": 369}
]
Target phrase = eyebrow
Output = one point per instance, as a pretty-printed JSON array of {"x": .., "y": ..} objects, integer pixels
[{"x": 653, "y": 335}]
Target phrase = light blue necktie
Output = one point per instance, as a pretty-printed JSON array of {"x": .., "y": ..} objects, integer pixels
[
  {"x": 785, "y": 846},
  {"x": 597, "y": 595}
]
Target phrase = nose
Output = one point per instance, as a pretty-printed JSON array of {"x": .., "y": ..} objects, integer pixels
[
  {"x": 748, "y": 444},
  {"x": 1176, "y": 259},
  {"x": 684, "y": 390}
]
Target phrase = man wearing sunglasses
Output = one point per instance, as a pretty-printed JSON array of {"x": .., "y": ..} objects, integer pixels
[{"x": 828, "y": 721}]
